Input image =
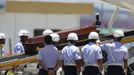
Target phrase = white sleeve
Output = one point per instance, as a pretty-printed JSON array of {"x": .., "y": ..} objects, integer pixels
[
  {"x": 82, "y": 52},
  {"x": 78, "y": 54},
  {"x": 126, "y": 54},
  {"x": 99, "y": 53},
  {"x": 60, "y": 55},
  {"x": 18, "y": 49},
  {"x": 40, "y": 56},
  {"x": 105, "y": 47}
]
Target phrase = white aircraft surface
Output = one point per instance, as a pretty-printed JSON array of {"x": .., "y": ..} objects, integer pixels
[{"x": 128, "y": 5}]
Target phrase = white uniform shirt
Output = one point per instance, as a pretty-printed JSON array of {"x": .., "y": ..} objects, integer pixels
[
  {"x": 91, "y": 53},
  {"x": 49, "y": 55},
  {"x": 19, "y": 48},
  {"x": 116, "y": 52},
  {"x": 70, "y": 54}
]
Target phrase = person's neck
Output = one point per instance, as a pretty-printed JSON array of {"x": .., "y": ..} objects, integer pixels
[{"x": 24, "y": 42}]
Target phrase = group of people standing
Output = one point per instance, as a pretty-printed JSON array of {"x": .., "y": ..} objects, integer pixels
[
  {"x": 71, "y": 58},
  {"x": 18, "y": 48}
]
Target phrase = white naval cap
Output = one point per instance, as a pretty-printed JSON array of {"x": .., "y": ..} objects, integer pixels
[
  {"x": 55, "y": 37},
  {"x": 72, "y": 36},
  {"x": 23, "y": 32},
  {"x": 118, "y": 33},
  {"x": 2, "y": 36},
  {"x": 47, "y": 32},
  {"x": 93, "y": 35}
]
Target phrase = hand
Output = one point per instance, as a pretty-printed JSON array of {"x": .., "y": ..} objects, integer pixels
[
  {"x": 51, "y": 72},
  {"x": 102, "y": 72},
  {"x": 78, "y": 70},
  {"x": 125, "y": 71}
]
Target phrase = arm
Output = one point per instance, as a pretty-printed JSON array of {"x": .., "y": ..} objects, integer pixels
[
  {"x": 82, "y": 57},
  {"x": 78, "y": 60},
  {"x": 60, "y": 63},
  {"x": 50, "y": 72},
  {"x": 40, "y": 61},
  {"x": 99, "y": 59},
  {"x": 100, "y": 64},
  {"x": 60, "y": 60},
  {"x": 78, "y": 65},
  {"x": 126, "y": 60},
  {"x": 125, "y": 64},
  {"x": 42, "y": 65},
  {"x": 105, "y": 46}
]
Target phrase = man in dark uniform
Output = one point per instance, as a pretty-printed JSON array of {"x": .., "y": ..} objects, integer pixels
[{"x": 48, "y": 58}]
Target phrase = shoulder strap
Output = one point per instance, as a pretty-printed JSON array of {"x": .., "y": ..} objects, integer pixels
[
  {"x": 111, "y": 53},
  {"x": 69, "y": 58},
  {"x": 86, "y": 61}
]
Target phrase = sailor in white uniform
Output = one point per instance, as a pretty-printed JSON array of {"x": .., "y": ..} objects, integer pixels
[
  {"x": 71, "y": 55},
  {"x": 117, "y": 55},
  {"x": 92, "y": 56},
  {"x": 19, "y": 47}
]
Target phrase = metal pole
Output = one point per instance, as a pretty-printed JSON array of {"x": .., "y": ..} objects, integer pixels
[
  {"x": 112, "y": 19},
  {"x": 10, "y": 46},
  {"x": 0, "y": 51}
]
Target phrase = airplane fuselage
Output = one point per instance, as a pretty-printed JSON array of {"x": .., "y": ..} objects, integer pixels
[{"x": 126, "y": 4}]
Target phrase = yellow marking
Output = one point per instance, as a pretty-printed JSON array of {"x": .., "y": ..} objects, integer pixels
[{"x": 49, "y": 7}]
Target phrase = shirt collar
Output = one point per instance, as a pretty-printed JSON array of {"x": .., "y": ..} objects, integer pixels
[
  {"x": 91, "y": 43},
  {"x": 118, "y": 43},
  {"x": 70, "y": 44}
]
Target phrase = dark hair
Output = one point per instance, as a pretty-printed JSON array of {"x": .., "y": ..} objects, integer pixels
[
  {"x": 23, "y": 39},
  {"x": 72, "y": 41},
  {"x": 118, "y": 39},
  {"x": 48, "y": 39},
  {"x": 92, "y": 40},
  {"x": 2, "y": 41}
]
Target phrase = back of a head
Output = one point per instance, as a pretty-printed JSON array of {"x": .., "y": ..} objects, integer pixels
[
  {"x": 2, "y": 36},
  {"x": 55, "y": 37},
  {"x": 48, "y": 39},
  {"x": 23, "y": 33},
  {"x": 47, "y": 32},
  {"x": 118, "y": 33},
  {"x": 93, "y": 35},
  {"x": 72, "y": 36}
]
